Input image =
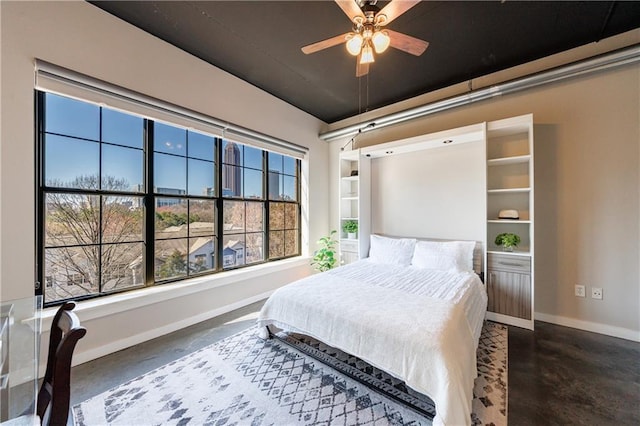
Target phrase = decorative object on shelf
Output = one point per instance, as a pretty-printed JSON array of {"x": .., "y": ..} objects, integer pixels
[
  {"x": 354, "y": 173},
  {"x": 351, "y": 228},
  {"x": 508, "y": 241},
  {"x": 509, "y": 214},
  {"x": 325, "y": 257}
]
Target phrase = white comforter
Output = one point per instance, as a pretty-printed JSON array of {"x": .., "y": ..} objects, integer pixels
[{"x": 419, "y": 325}]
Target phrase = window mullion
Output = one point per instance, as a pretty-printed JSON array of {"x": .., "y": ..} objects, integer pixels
[
  {"x": 219, "y": 205},
  {"x": 99, "y": 272},
  {"x": 149, "y": 207},
  {"x": 265, "y": 186},
  {"x": 299, "y": 204},
  {"x": 100, "y": 204},
  {"x": 187, "y": 199}
]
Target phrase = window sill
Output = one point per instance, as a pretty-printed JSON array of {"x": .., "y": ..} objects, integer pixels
[{"x": 122, "y": 302}]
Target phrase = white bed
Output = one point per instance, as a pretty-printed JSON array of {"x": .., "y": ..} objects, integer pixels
[{"x": 421, "y": 325}]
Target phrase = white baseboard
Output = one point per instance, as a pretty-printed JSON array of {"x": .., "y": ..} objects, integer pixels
[
  {"x": 609, "y": 330},
  {"x": 82, "y": 357}
]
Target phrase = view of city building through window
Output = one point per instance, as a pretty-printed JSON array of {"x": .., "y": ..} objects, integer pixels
[
  {"x": 184, "y": 176},
  {"x": 102, "y": 169}
]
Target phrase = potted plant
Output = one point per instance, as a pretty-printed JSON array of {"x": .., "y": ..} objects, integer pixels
[
  {"x": 325, "y": 257},
  {"x": 351, "y": 228},
  {"x": 508, "y": 241}
]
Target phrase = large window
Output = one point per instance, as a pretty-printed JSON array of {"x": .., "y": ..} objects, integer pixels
[{"x": 127, "y": 202}]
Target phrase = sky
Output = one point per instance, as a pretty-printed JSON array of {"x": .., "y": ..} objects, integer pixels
[{"x": 183, "y": 159}]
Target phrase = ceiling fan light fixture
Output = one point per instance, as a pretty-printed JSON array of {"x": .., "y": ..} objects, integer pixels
[
  {"x": 367, "y": 54},
  {"x": 381, "y": 41},
  {"x": 368, "y": 36},
  {"x": 354, "y": 44}
]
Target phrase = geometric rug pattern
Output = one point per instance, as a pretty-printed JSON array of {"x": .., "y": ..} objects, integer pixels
[
  {"x": 244, "y": 380},
  {"x": 490, "y": 391},
  {"x": 490, "y": 388}
]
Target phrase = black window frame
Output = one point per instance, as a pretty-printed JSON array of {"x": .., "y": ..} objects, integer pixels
[{"x": 150, "y": 198}]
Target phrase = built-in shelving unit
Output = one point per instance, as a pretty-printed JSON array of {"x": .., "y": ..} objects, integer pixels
[
  {"x": 510, "y": 275},
  {"x": 507, "y": 157},
  {"x": 355, "y": 204}
]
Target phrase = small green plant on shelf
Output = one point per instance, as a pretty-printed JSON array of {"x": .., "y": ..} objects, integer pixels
[
  {"x": 350, "y": 226},
  {"x": 325, "y": 257},
  {"x": 507, "y": 241}
]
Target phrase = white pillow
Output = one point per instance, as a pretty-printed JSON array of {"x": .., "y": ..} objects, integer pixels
[
  {"x": 444, "y": 255},
  {"x": 395, "y": 251}
]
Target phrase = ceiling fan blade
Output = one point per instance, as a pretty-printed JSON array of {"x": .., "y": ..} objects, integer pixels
[
  {"x": 406, "y": 43},
  {"x": 394, "y": 9},
  {"x": 330, "y": 42},
  {"x": 350, "y": 8},
  {"x": 361, "y": 69}
]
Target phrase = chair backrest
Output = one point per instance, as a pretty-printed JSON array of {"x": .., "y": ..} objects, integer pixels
[{"x": 55, "y": 391}]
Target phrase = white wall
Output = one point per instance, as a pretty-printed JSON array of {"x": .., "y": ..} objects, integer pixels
[
  {"x": 587, "y": 157},
  {"x": 434, "y": 193},
  {"x": 81, "y": 37}
]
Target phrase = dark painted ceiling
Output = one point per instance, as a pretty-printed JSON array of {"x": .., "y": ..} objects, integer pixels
[{"x": 260, "y": 41}]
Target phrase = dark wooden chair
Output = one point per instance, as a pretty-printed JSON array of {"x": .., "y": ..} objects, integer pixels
[{"x": 55, "y": 391}]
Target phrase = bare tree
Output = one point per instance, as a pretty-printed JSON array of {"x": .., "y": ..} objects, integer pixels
[{"x": 87, "y": 233}]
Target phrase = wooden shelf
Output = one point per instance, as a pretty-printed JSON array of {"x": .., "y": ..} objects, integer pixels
[
  {"x": 349, "y": 198},
  {"x": 509, "y": 160},
  {"x": 509, "y": 253},
  {"x": 508, "y": 190},
  {"x": 508, "y": 221},
  {"x": 352, "y": 155},
  {"x": 350, "y": 178},
  {"x": 509, "y": 126}
]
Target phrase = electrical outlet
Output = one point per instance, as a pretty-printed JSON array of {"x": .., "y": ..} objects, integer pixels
[
  {"x": 580, "y": 291},
  {"x": 596, "y": 293}
]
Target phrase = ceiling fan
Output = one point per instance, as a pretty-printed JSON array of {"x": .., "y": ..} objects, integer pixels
[{"x": 369, "y": 35}]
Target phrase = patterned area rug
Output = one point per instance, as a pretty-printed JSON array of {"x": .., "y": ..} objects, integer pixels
[
  {"x": 490, "y": 390},
  {"x": 243, "y": 380}
]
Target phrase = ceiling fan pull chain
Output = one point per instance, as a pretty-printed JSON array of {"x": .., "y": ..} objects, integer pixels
[
  {"x": 366, "y": 108},
  {"x": 359, "y": 96}
]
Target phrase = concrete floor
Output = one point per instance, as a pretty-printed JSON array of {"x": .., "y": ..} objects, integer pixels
[
  {"x": 557, "y": 375},
  {"x": 564, "y": 376}
]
